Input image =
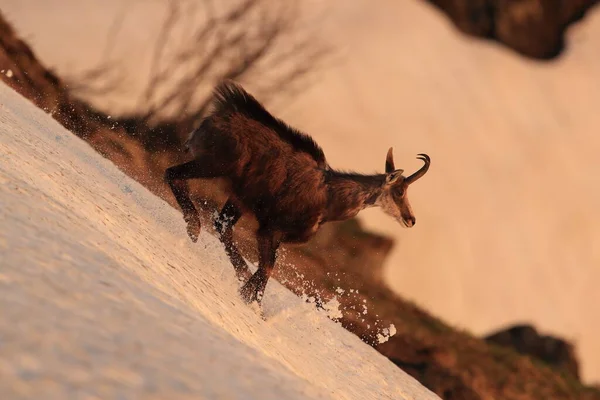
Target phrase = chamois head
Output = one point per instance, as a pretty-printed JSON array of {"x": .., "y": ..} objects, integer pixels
[{"x": 393, "y": 199}]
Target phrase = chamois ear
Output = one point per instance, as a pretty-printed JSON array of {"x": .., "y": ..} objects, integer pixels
[
  {"x": 389, "y": 162},
  {"x": 393, "y": 176}
]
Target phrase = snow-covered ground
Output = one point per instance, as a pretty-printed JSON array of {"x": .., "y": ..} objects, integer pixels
[{"x": 103, "y": 296}]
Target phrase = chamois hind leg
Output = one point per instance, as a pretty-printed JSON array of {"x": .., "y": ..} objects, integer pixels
[
  {"x": 177, "y": 177},
  {"x": 254, "y": 289},
  {"x": 228, "y": 217}
]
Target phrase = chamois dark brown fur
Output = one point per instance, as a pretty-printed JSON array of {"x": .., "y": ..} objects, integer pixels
[{"x": 280, "y": 175}]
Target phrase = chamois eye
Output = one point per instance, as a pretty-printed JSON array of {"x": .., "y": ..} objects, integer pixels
[{"x": 398, "y": 192}]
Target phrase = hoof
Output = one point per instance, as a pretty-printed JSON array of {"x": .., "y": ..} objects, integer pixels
[
  {"x": 250, "y": 295},
  {"x": 193, "y": 227}
]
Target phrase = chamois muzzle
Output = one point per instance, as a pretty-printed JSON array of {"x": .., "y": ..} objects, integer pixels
[
  {"x": 425, "y": 158},
  {"x": 409, "y": 222}
]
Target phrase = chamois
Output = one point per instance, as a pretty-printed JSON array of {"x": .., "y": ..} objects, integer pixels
[{"x": 281, "y": 176}]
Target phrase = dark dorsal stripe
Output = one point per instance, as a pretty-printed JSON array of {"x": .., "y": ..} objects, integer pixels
[{"x": 230, "y": 97}]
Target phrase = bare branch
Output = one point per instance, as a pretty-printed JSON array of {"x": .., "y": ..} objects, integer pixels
[
  {"x": 256, "y": 41},
  {"x": 165, "y": 34},
  {"x": 103, "y": 78}
]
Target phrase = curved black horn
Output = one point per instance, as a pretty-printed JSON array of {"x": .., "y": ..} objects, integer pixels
[{"x": 425, "y": 158}]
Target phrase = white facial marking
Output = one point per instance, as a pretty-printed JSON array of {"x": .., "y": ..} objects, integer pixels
[
  {"x": 390, "y": 207},
  {"x": 387, "y": 204}
]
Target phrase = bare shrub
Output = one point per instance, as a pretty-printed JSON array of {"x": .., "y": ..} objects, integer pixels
[{"x": 202, "y": 42}]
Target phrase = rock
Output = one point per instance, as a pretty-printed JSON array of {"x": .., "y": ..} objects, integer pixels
[
  {"x": 534, "y": 28},
  {"x": 525, "y": 339}
]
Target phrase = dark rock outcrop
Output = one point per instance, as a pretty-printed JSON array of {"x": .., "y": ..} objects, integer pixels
[
  {"x": 534, "y": 28},
  {"x": 525, "y": 339}
]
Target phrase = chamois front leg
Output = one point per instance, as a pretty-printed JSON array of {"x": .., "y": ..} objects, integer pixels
[
  {"x": 177, "y": 177},
  {"x": 228, "y": 217},
  {"x": 254, "y": 289}
]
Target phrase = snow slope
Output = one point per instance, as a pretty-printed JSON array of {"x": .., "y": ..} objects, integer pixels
[{"x": 103, "y": 296}]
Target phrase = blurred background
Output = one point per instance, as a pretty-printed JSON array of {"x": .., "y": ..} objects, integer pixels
[{"x": 503, "y": 100}]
